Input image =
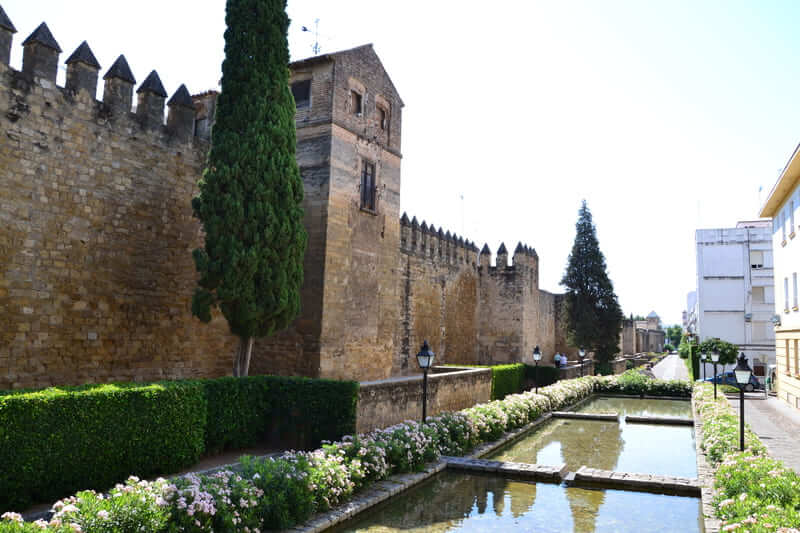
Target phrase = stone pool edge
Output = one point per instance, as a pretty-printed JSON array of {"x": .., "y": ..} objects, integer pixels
[{"x": 705, "y": 476}]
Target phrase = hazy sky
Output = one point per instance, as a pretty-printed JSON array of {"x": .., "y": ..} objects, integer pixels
[{"x": 665, "y": 116}]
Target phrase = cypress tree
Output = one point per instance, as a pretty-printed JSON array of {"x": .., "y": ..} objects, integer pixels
[
  {"x": 592, "y": 313},
  {"x": 251, "y": 266}
]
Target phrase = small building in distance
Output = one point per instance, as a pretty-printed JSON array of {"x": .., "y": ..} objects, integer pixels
[
  {"x": 735, "y": 294},
  {"x": 639, "y": 336}
]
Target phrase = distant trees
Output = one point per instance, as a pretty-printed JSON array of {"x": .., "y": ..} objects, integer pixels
[
  {"x": 592, "y": 313},
  {"x": 251, "y": 266},
  {"x": 674, "y": 334}
]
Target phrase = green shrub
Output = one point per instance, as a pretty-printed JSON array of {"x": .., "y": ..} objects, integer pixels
[
  {"x": 58, "y": 440},
  {"x": 547, "y": 374},
  {"x": 507, "y": 379},
  {"x": 245, "y": 411},
  {"x": 634, "y": 382}
]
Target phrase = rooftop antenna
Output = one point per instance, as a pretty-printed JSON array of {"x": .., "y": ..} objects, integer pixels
[{"x": 315, "y": 47}]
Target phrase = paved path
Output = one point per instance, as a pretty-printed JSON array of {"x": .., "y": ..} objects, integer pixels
[
  {"x": 776, "y": 424},
  {"x": 671, "y": 367}
]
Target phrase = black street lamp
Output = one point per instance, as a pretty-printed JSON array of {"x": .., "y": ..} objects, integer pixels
[
  {"x": 537, "y": 354},
  {"x": 425, "y": 359},
  {"x": 743, "y": 373},
  {"x": 581, "y": 356},
  {"x": 715, "y": 360}
]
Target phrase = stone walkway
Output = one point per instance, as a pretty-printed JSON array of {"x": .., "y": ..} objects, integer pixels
[
  {"x": 776, "y": 424},
  {"x": 671, "y": 367}
]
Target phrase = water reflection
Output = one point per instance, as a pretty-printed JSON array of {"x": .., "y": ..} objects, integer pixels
[
  {"x": 637, "y": 407},
  {"x": 461, "y": 502},
  {"x": 607, "y": 445}
]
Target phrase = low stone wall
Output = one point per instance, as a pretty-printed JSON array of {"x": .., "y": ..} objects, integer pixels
[
  {"x": 618, "y": 366},
  {"x": 573, "y": 370},
  {"x": 390, "y": 401}
]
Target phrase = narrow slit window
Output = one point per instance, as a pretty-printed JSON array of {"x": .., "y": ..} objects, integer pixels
[
  {"x": 786, "y": 294},
  {"x": 301, "y": 90},
  {"x": 355, "y": 102},
  {"x": 383, "y": 118},
  {"x": 368, "y": 185},
  {"x": 794, "y": 289}
]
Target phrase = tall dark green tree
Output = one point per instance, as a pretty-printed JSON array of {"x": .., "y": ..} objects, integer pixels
[
  {"x": 592, "y": 313},
  {"x": 251, "y": 266}
]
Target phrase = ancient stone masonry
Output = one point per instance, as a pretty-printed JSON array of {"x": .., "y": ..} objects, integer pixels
[
  {"x": 96, "y": 234},
  {"x": 96, "y": 227},
  {"x": 469, "y": 311}
]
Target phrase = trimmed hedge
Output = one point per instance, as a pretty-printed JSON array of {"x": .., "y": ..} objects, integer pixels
[
  {"x": 547, "y": 374},
  {"x": 58, "y": 440},
  {"x": 507, "y": 379},
  {"x": 305, "y": 411}
]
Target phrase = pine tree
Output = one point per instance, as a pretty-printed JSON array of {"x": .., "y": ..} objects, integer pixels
[
  {"x": 251, "y": 266},
  {"x": 592, "y": 313}
]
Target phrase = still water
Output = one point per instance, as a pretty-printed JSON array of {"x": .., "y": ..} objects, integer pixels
[
  {"x": 459, "y": 502},
  {"x": 636, "y": 407},
  {"x": 645, "y": 448}
]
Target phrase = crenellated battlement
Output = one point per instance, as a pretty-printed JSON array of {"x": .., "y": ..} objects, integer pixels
[
  {"x": 437, "y": 245},
  {"x": 40, "y": 67}
]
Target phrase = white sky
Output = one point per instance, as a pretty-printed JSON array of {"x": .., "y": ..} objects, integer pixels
[{"x": 665, "y": 116}]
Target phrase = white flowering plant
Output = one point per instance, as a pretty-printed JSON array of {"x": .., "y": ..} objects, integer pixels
[
  {"x": 223, "y": 501},
  {"x": 754, "y": 493}
]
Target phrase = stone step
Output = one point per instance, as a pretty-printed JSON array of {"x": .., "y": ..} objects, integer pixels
[
  {"x": 526, "y": 470},
  {"x": 668, "y": 420},
  {"x": 608, "y": 417},
  {"x": 637, "y": 481}
]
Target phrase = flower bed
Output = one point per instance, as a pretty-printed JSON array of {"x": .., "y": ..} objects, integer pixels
[
  {"x": 753, "y": 492},
  {"x": 634, "y": 382},
  {"x": 278, "y": 493}
]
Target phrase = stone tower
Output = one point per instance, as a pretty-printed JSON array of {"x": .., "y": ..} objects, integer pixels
[{"x": 348, "y": 148}]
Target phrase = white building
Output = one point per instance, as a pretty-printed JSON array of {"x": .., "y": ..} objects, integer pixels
[
  {"x": 735, "y": 290},
  {"x": 781, "y": 205}
]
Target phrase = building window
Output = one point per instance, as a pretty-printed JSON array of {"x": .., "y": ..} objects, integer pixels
[
  {"x": 756, "y": 259},
  {"x": 383, "y": 118},
  {"x": 791, "y": 218},
  {"x": 355, "y": 102},
  {"x": 794, "y": 289},
  {"x": 786, "y": 294},
  {"x": 783, "y": 225},
  {"x": 796, "y": 359},
  {"x": 758, "y": 295},
  {"x": 368, "y": 185},
  {"x": 787, "y": 356},
  {"x": 301, "y": 90}
]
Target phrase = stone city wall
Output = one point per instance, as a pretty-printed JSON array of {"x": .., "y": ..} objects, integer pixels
[
  {"x": 96, "y": 228},
  {"x": 386, "y": 402}
]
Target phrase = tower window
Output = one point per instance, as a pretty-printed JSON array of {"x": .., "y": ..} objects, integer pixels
[
  {"x": 383, "y": 118},
  {"x": 368, "y": 185},
  {"x": 355, "y": 102},
  {"x": 301, "y": 90}
]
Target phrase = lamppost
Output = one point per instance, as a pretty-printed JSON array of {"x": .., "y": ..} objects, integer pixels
[
  {"x": 581, "y": 356},
  {"x": 743, "y": 373},
  {"x": 425, "y": 359},
  {"x": 537, "y": 355},
  {"x": 715, "y": 359}
]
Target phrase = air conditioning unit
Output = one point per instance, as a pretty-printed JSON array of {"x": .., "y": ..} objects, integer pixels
[{"x": 776, "y": 320}]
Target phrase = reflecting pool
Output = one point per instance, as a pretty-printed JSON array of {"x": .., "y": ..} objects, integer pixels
[
  {"x": 637, "y": 407},
  {"x": 459, "y": 502},
  {"x": 645, "y": 448}
]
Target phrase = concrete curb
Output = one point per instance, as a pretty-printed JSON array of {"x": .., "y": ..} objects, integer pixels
[
  {"x": 636, "y": 481},
  {"x": 608, "y": 417},
  {"x": 666, "y": 420}
]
